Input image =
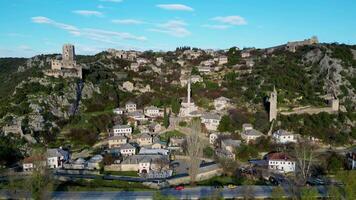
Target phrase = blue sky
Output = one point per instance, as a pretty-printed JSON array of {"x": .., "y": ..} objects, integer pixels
[{"x": 30, "y": 27}]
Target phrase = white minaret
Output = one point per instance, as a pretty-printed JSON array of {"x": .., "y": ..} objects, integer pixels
[{"x": 188, "y": 91}]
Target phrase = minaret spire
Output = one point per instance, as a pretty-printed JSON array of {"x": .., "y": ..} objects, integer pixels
[{"x": 188, "y": 91}]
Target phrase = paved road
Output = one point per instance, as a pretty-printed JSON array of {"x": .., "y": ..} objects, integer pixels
[{"x": 188, "y": 193}]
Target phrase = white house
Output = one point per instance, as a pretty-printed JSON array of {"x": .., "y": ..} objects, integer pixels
[
  {"x": 119, "y": 111},
  {"x": 127, "y": 149},
  {"x": 351, "y": 159},
  {"x": 221, "y": 103},
  {"x": 56, "y": 157},
  {"x": 153, "y": 111},
  {"x": 249, "y": 134},
  {"x": 280, "y": 162},
  {"x": 212, "y": 138},
  {"x": 130, "y": 106},
  {"x": 283, "y": 137},
  {"x": 122, "y": 130},
  {"x": 211, "y": 121},
  {"x": 29, "y": 163}
]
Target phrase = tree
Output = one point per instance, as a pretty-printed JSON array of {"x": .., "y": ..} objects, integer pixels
[
  {"x": 304, "y": 155},
  {"x": 161, "y": 163},
  {"x": 225, "y": 124},
  {"x": 41, "y": 182},
  {"x": 246, "y": 152},
  {"x": 175, "y": 104},
  {"x": 334, "y": 162},
  {"x": 194, "y": 150},
  {"x": 165, "y": 119}
]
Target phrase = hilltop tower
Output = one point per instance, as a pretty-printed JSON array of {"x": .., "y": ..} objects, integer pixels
[
  {"x": 68, "y": 52},
  {"x": 273, "y": 105}
]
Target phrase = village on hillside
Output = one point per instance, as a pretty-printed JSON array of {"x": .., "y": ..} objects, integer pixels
[{"x": 170, "y": 146}]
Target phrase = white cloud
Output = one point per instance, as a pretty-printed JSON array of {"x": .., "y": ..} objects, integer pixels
[
  {"x": 25, "y": 48},
  {"x": 216, "y": 26},
  {"x": 175, "y": 28},
  {"x": 232, "y": 20},
  {"x": 179, "y": 7},
  {"x": 44, "y": 20},
  {"x": 106, "y": 36},
  {"x": 127, "y": 21},
  {"x": 112, "y": 1},
  {"x": 88, "y": 13}
]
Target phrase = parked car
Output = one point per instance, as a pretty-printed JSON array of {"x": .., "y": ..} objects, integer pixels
[{"x": 179, "y": 187}]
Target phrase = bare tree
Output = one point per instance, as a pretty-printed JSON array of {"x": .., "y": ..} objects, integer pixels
[
  {"x": 304, "y": 155},
  {"x": 161, "y": 163},
  {"x": 40, "y": 182},
  {"x": 194, "y": 150}
]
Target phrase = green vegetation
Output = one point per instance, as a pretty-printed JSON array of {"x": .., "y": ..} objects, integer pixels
[
  {"x": 327, "y": 127},
  {"x": 165, "y": 137},
  {"x": 99, "y": 184},
  {"x": 343, "y": 52},
  {"x": 246, "y": 152},
  {"x": 122, "y": 173},
  {"x": 10, "y": 146},
  {"x": 208, "y": 152},
  {"x": 183, "y": 123}
]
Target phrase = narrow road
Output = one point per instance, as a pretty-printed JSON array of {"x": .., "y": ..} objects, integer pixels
[{"x": 188, "y": 193}]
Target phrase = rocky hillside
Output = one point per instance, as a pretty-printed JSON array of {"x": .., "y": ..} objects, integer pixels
[{"x": 44, "y": 106}]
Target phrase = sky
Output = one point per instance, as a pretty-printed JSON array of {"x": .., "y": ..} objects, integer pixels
[{"x": 31, "y": 27}]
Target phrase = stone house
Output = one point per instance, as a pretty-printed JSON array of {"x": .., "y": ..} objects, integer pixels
[
  {"x": 221, "y": 103},
  {"x": 249, "y": 133},
  {"x": 283, "y": 137},
  {"x": 56, "y": 157},
  {"x": 144, "y": 139},
  {"x": 153, "y": 111},
  {"x": 116, "y": 141},
  {"x": 29, "y": 163},
  {"x": 155, "y": 127},
  {"x": 94, "y": 162},
  {"x": 127, "y": 149},
  {"x": 122, "y": 130},
  {"x": 230, "y": 145},
  {"x": 119, "y": 111},
  {"x": 211, "y": 121},
  {"x": 130, "y": 106},
  {"x": 145, "y": 163}
]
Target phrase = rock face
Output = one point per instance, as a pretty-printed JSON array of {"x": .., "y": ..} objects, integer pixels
[{"x": 333, "y": 71}]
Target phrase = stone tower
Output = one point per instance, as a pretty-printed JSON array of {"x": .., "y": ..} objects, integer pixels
[
  {"x": 68, "y": 52},
  {"x": 273, "y": 105}
]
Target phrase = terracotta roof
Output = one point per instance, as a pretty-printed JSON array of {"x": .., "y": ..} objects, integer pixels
[
  {"x": 278, "y": 156},
  {"x": 32, "y": 159}
]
